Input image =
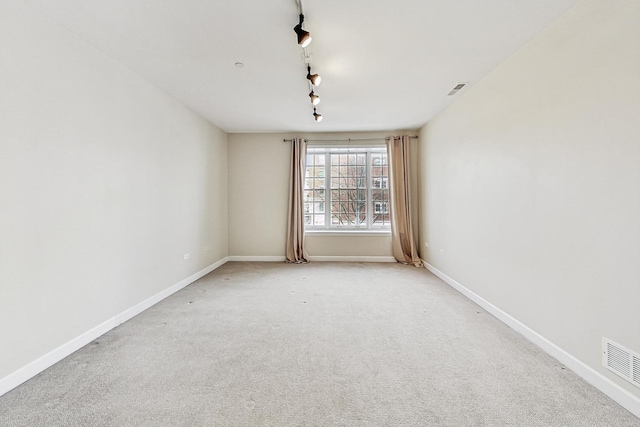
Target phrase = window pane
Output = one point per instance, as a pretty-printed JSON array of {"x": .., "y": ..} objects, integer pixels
[
  {"x": 361, "y": 176},
  {"x": 313, "y": 195},
  {"x": 343, "y": 173},
  {"x": 380, "y": 195},
  {"x": 362, "y": 219},
  {"x": 381, "y": 214}
]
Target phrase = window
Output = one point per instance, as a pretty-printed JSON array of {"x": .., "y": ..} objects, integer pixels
[
  {"x": 346, "y": 189},
  {"x": 380, "y": 207},
  {"x": 380, "y": 182}
]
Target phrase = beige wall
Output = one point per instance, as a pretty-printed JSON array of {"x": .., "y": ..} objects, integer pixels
[
  {"x": 258, "y": 198},
  {"x": 105, "y": 183},
  {"x": 348, "y": 245},
  {"x": 530, "y": 183},
  {"x": 258, "y": 177}
]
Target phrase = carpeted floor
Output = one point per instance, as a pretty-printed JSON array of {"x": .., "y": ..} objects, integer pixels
[{"x": 323, "y": 344}]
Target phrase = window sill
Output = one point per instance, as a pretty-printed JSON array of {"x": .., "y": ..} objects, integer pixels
[{"x": 345, "y": 233}]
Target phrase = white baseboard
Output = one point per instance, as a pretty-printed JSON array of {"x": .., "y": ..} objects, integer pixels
[
  {"x": 142, "y": 306},
  {"x": 595, "y": 378},
  {"x": 32, "y": 369},
  {"x": 257, "y": 258},
  {"x": 315, "y": 258},
  {"x": 352, "y": 258}
]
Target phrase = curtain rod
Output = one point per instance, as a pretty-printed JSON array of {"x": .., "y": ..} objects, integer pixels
[{"x": 347, "y": 140}]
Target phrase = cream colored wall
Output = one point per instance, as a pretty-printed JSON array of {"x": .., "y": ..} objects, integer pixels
[
  {"x": 105, "y": 183},
  {"x": 530, "y": 183},
  {"x": 348, "y": 245},
  {"x": 258, "y": 199},
  {"x": 258, "y": 188}
]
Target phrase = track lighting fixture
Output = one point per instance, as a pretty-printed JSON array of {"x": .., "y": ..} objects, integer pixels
[
  {"x": 315, "y": 79},
  {"x": 315, "y": 99},
  {"x": 304, "y": 37}
]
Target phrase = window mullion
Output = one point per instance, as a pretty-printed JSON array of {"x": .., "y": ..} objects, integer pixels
[
  {"x": 327, "y": 191},
  {"x": 369, "y": 196}
]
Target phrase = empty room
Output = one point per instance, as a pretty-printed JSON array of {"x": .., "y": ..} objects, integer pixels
[{"x": 318, "y": 213}]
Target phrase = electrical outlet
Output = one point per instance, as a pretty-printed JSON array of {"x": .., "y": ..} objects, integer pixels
[
  {"x": 186, "y": 256},
  {"x": 441, "y": 251},
  {"x": 426, "y": 244}
]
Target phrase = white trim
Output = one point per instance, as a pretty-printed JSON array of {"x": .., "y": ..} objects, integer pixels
[
  {"x": 314, "y": 258},
  {"x": 627, "y": 400},
  {"x": 258, "y": 258},
  {"x": 32, "y": 369},
  {"x": 353, "y": 258}
]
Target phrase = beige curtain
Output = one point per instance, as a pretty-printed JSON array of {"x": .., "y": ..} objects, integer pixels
[
  {"x": 404, "y": 246},
  {"x": 295, "y": 222}
]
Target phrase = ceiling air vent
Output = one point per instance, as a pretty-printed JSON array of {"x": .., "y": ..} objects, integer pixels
[
  {"x": 457, "y": 88},
  {"x": 621, "y": 361}
]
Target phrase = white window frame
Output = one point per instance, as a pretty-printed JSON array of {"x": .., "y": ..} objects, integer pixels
[{"x": 368, "y": 226}]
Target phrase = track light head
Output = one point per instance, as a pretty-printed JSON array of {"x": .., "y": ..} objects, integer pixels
[
  {"x": 315, "y": 99},
  {"x": 316, "y": 116},
  {"x": 304, "y": 37},
  {"x": 315, "y": 79}
]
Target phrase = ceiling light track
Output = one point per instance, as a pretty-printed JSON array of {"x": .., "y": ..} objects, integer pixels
[{"x": 304, "y": 38}]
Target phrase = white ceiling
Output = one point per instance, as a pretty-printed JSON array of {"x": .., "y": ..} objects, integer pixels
[{"x": 385, "y": 65}]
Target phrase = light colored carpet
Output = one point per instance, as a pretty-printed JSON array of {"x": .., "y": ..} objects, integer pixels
[{"x": 323, "y": 344}]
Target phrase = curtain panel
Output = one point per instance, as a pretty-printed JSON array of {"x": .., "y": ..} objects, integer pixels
[
  {"x": 295, "y": 251},
  {"x": 402, "y": 241}
]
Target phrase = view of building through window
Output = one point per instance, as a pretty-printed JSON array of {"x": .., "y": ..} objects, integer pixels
[{"x": 346, "y": 188}]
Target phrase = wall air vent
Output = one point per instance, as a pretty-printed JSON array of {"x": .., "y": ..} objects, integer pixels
[
  {"x": 621, "y": 361},
  {"x": 457, "y": 88}
]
